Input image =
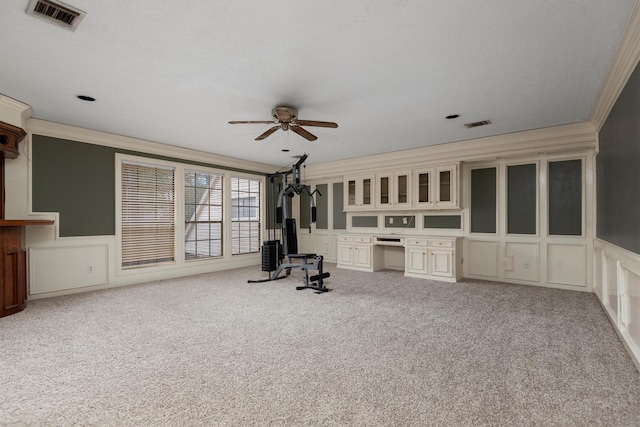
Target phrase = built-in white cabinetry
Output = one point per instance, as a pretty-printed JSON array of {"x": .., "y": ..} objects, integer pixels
[
  {"x": 436, "y": 187},
  {"x": 438, "y": 259},
  {"x": 425, "y": 257},
  {"x": 393, "y": 190},
  {"x": 424, "y": 188},
  {"x": 359, "y": 192},
  {"x": 356, "y": 252}
]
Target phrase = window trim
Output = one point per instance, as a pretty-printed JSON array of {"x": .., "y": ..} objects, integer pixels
[
  {"x": 151, "y": 162},
  {"x": 261, "y": 217},
  {"x": 223, "y": 222}
]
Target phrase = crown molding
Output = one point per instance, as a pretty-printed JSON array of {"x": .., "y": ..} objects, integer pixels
[
  {"x": 62, "y": 131},
  {"x": 559, "y": 139},
  {"x": 13, "y": 111},
  {"x": 624, "y": 62}
]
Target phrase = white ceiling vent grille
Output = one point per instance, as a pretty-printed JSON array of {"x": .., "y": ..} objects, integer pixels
[
  {"x": 56, "y": 12},
  {"x": 476, "y": 124}
]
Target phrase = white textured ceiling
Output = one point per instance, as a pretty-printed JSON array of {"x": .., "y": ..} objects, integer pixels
[{"x": 388, "y": 72}]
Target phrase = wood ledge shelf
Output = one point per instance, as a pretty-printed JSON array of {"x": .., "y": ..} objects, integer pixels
[{"x": 24, "y": 222}]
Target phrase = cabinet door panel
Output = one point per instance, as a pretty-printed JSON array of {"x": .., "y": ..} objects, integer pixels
[
  {"x": 367, "y": 191},
  {"x": 416, "y": 260},
  {"x": 350, "y": 194},
  {"x": 385, "y": 193},
  {"x": 362, "y": 256},
  {"x": 441, "y": 263},
  {"x": 344, "y": 255},
  {"x": 402, "y": 189}
]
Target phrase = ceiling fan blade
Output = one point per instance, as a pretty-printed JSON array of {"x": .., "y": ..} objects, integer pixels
[
  {"x": 303, "y": 133},
  {"x": 317, "y": 123},
  {"x": 245, "y": 122},
  {"x": 267, "y": 133}
]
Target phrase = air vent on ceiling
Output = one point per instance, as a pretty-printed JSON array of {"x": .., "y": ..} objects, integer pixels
[
  {"x": 476, "y": 124},
  {"x": 56, "y": 12}
]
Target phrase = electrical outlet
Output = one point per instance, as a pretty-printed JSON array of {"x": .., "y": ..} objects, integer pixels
[
  {"x": 507, "y": 263},
  {"x": 90, "y": 269},
  {"x": 405, "y": 220},
  {"x": 390, "y": 220}
]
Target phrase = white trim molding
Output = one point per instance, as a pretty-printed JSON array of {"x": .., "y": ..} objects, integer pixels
[
  {"x": 554, "y": 140},
  {"x": 14, "y": 112},
  {"x": 624, "y": 61}
]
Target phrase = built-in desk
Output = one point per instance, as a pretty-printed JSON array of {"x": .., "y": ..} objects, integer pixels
[{"x": 428, "y": 257}]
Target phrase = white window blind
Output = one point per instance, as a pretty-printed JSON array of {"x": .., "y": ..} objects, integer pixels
[
  {"x": 245, "y": 215},
  {"x": 203, "y": 215},
  {"x": 148, "y": 215}
]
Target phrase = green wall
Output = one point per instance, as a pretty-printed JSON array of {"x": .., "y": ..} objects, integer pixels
[
  {"x": 618, "y": 171},
  {"x": 77, "y": 180}
]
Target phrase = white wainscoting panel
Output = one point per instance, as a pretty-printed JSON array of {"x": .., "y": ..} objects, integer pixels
[
  {"x": 610, "y": 284},
  {"x": 597, "y": 272},
  {"x": 525, "y": 261},
  {"x": 483, "y": 258},
  {"x": 60, "y": 268},
  {"x": 566, "y": 264},
  {"x": 630, "y": 302},
  {"x": 618, "y": 275}
]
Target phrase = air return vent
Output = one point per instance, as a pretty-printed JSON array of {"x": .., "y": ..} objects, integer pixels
[
  {"x": 476, "y": 124},
  {"x": 56, "y": 12}
]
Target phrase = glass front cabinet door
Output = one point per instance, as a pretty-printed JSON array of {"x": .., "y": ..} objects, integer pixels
[
  {"x": 445, "y": 189},
  {"x": 435, "y": 187},
  {"x": 358, "y": 193},
  {"x": 394, "y": 190},
  {"x": 423, "y": 188}
]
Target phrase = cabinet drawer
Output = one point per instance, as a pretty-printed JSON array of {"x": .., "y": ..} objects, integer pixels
[
  {"x": 441, "y": 243},
  {"x": 345, "y": 238},
  {"x": 362, "y": 239},
  {"x": 416, "y": 242}
]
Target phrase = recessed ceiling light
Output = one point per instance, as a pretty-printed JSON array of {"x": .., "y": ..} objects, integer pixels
[
  {"x": 86, "y": 98},
  {"x": 285, "y": 150},
  {"x": 452, "y": 116}
]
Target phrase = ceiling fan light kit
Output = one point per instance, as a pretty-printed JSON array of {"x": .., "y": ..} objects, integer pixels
[{"x": 286, "y": 118}]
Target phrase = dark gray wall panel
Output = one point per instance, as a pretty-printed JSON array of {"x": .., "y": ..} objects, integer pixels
[
  {"x": 618, "y": 171},
  {"x": 305, "y": 210},
  {"x": 322, "y": 197},
  {"x": 339, "y": 216},
  {"x": 565, "y": 198},
  {"x": 483, "y": 200},
  {"x": 364, "y": 221},
  {"x": 78, "y": 181},
  {"x": 521, "y": 199},
  {"x": 453, "y": 222}
]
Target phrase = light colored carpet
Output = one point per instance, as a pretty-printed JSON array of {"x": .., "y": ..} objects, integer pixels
[{"x": 380, "y": 349}]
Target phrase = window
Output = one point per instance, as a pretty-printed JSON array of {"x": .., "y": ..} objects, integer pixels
[
  {"x": 147, "y": 215},
  {"x": 245, "y": 215},
  {"x": 202, "y": 215}
]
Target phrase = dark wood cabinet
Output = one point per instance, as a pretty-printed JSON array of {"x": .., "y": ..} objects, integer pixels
[
  {"x": 13, "y": 258},
  {"x": 13, "y": 281}
]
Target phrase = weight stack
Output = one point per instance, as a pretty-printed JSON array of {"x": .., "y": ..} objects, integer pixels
[{"x": 270, "y": 255}]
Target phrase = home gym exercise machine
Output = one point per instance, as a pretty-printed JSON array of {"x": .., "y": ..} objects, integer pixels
[{"x": 274, "y": 252}]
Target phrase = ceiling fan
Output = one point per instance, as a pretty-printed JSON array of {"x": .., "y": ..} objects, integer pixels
[{"x": 286, "y": 118}]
